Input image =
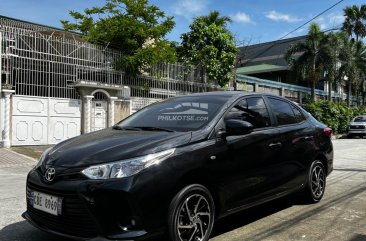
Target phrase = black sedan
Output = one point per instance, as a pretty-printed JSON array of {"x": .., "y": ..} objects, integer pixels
[{"x": 177, "y": 166}]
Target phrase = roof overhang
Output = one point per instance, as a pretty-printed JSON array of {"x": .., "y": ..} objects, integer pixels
[{"x": 261, "y": 68}]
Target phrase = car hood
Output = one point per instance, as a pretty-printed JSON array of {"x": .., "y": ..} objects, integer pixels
[{"x": 112, "y": 145}]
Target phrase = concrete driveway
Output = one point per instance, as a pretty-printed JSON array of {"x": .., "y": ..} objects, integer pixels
[{"x": 341, "y": 215}]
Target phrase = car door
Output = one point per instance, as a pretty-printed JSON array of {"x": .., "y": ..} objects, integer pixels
[
  {"x": 297, "y": 143},
  {"x": 246, "y": 164}
]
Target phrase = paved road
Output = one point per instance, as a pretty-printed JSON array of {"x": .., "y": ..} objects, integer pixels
[{"x": 340, "y": 216}]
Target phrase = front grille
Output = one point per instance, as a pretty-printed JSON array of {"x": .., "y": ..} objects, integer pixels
[
  {"x": 357, "y": 127},
  {"x": 75, "y": 219}
]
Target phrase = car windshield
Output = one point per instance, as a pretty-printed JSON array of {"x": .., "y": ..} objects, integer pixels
[
  {"x": 360, "y": 119},
  {"x": 186, "y": 113}
]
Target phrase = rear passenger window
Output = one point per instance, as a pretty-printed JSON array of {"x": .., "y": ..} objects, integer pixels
[
  {"x": 252, "y": 110},
  {"x": 282, "y": 111},
  {"x": 298, "y": 115}
]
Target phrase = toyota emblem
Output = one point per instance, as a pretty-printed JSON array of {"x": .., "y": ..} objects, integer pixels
[{"x": 50, "y": 174}]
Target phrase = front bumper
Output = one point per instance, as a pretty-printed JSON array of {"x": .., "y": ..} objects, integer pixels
[
  {"x": 125, "y": 236},
  {"x": 110, "y": 209},
  {"x": 356, "y": 132},
  {"x": 356, "y": 129}
]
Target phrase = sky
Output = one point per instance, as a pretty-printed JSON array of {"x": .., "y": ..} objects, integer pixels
[{"x": 253, "y": 21}]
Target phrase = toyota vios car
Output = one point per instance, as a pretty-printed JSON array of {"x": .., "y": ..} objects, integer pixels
[
  {"x": 175, "y": 167},
  {"x": 357, "y": 127}
]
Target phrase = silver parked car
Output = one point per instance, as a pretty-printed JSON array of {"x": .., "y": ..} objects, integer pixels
[{"x": 357, "y": 127}]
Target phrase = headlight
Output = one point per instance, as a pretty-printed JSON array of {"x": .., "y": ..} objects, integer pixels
[
  {"x": 43, "y": 156},
  {"x": 126, "y": 168}
]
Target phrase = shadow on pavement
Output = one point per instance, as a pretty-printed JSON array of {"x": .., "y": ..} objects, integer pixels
[
  {"x": 253, "y": 214},
  {"x": 250, "y": 215},
  {"x": 349, "y": 170},
  {"x": 23, "y": 231},
  {"x": 358, "y": 237}
]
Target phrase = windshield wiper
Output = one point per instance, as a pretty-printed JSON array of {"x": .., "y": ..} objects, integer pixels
[
  {"x": 127, "y": 128},
  {"x": 152, "y": 128}
]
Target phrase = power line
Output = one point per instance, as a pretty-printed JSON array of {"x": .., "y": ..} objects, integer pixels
[
  {"x": 318, "y": 15},
  {"x": 302, "y": 25}
]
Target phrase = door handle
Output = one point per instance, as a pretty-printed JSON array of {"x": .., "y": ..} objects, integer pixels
[
  {"x": 275, "y": 145},
  {"x": 308, "y": 138}
]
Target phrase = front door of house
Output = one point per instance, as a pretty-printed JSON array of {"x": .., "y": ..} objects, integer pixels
[{"x": 100, "y": 115}]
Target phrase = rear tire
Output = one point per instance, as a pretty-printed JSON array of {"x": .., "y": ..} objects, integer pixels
[
  {"x": 191, "y": 214},
  {"x": 316, "y": 182}
]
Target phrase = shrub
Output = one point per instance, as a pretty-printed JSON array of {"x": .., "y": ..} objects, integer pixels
[{"x": 335, "y": 115}]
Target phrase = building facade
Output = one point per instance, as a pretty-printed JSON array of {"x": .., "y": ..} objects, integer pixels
[{"x": 266, "y": 61}]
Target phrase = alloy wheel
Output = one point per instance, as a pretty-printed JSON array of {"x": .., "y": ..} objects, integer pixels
[
  {"x": 194, "y": 218},
  {"x": 317, "y": 181}
]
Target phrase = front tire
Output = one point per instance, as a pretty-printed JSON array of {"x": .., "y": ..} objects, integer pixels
[
  {"x": 315, "y": 188},
  {"x": 191, "y": 214}
]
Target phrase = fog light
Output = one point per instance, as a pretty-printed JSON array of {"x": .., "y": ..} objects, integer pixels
[
  {"x": 124, "y": 228},
  {"x": 128, "y": 225}
]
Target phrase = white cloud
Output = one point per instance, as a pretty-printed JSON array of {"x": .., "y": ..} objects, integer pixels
[
  {"x": 241, "y": 17},
  {"x": 190, "y": 8},
  {"x": 276, "y": 16},
  {"x": 332, "y": 20}
]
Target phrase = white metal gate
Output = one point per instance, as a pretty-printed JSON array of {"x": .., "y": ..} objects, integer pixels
[
  {"x": 43, "y": 121},
  {"x": 100, "y": 115}
]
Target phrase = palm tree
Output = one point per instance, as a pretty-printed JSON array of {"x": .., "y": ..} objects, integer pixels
[
  {"x": 333, "y": 42},
  {"x": 311, "y": 61},
  {"x": 214, "y": 17},
  {"x": 352, "y": 57},
  {"x": 354, "y": 22}
]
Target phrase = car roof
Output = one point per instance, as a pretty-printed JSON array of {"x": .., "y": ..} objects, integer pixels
[{"x": 227, "y": 94}]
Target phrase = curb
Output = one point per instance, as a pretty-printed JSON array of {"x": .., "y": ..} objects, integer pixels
[
  {"x": 27, "y": 157},
  {"x": 339, "y": 136}
]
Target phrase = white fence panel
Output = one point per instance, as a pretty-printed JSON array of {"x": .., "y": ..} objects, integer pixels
[
  {"x": 44, "y": 121},
  {"x": 62, "y": 128},
  {"x": 64, "y": 119},
  {"x": 29, "y": 130},
  {"x": 30, "y": 106}
]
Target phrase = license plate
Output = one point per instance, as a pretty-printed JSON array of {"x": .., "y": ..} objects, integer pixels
[{"x": 47, "y": 203}]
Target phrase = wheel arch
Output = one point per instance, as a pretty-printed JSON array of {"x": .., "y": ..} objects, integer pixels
[
  {"x": 201, "y": 177},
  {"x": 324, "y": 161}
]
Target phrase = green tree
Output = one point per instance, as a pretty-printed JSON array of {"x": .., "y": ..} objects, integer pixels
[
  {"x": 210, "y": 46},
  {"x": 353, "y": 61},
  {"x": 134, "y": 27},
  {"x": 310, "y": 63},
  {"x": 354, "y": 23}
]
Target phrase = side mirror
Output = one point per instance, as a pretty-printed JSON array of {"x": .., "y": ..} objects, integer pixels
[{"x": 238, "y": 127}]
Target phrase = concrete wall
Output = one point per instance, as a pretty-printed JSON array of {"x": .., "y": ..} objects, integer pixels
[{"x": 122, "y": 109}]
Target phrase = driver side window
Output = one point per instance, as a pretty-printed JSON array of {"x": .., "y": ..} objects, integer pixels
[{"x": 252, "y": 110}]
